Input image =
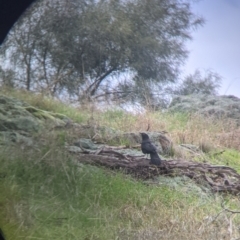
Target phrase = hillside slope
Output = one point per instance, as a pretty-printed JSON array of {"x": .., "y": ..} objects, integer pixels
[{"x": 47, "y": 194}]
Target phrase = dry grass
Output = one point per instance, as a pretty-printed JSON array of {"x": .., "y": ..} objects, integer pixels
[
  {"x": 230, "y": 139},
  {"x": 43, "y": 196},
  {"x": 180, "y": 223},
  {"x": 206, "y": 132}
]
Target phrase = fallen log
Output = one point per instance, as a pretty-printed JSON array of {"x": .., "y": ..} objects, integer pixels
[{"x": 219, "y": 178}]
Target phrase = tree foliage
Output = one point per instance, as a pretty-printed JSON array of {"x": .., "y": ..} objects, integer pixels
[
  {"x": 197, "y": 83},
  {"x": 83, "y": 48}
]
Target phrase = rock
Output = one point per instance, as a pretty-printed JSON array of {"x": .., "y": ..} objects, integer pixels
[
  {"x": 9, "y": 137},
  {"x": 18, "y": 115},
  {"x": 74, "y": 149},
  {"x": 208, "y": 105},
  {"x": 14, "y": 116},
  {"x": 18, "y": 120},
  {"x": 163, "y": 144},
  {"x": 86, "y": 143}
]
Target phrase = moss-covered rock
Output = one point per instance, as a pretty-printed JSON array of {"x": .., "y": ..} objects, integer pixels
[
  {"x": 14, "y": 116},
  {"x": 17, "y": 117},
  {"x": 9, "y": 137}
]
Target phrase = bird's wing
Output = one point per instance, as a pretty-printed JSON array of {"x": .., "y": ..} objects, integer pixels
[{"x": 148, "y": 147}]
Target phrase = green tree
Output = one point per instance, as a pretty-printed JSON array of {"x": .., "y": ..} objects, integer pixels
[
  {"x": 198, "y": 83},
  {"x": 83, "y": 48}
]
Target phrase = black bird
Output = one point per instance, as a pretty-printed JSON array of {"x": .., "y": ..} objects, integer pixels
[{"x": 148, "y": 148}]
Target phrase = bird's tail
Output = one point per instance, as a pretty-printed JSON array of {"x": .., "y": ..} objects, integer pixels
[{"x": 155, "y": 159}]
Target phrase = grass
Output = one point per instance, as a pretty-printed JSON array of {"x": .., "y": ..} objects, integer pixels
[
  {"x": 229, "y": 157},
  {"x": 204, "y": 132},
  {"x": 48, "y": 104},
  {"x": 45, "y": 195}
]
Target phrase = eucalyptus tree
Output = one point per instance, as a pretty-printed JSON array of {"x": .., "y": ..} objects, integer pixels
[
  {"x": 20, "y": 50},
  {"x": 84, "y": 48},
  {"x": 200, "y": 83}
]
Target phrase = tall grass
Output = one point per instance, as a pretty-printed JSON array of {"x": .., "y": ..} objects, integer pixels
[
  {"x": 46, "y": 194},
  {"x": 205, "y": 132}
]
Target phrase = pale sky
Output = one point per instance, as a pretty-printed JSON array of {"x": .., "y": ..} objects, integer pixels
[{"x": 216, "y": 45}]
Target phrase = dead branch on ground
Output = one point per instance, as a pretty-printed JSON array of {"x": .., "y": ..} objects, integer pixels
[{"x": 219, "y": 178}]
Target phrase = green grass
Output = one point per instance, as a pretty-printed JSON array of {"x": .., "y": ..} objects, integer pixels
[
  {"x": 45, "y": 194},
  {"x": 51, "y": 198},
  {"x": 228, "y": 157},
  {"x": 48, "y": 104}
]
